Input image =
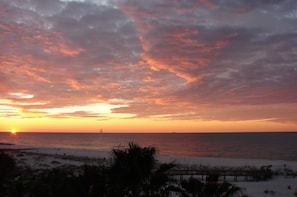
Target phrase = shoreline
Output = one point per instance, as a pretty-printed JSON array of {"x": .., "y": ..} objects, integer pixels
[
  {"x": 256, "y": 146},
  {"x": 184, "y": 160},
  {"x": 39, "y": 158}
]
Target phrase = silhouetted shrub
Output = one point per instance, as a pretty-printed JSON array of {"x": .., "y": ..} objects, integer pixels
[
  {"x": 56, "y": 183},
  {"x": 193, "y": 186},
  {"x": 134, "y": 173},
  {"x": 7, "y": 165},
  {"x": 211, "y": 188}
]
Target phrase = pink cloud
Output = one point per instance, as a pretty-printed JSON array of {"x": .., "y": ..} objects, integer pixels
[
  {"x": 171, "y": 59},
  {"x": 207, "y": 3}
]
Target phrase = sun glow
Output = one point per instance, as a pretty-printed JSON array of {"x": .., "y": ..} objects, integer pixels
[{"x": 13, "y": 131}]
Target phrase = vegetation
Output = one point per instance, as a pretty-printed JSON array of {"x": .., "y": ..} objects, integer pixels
[
  {"x": 211, "y": 188},
  {"x": 7, "y": 165},
  {"x": 133, "y": 172}
]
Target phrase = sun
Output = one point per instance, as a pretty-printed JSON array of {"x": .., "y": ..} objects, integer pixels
[{"x": 13, "y": 131}]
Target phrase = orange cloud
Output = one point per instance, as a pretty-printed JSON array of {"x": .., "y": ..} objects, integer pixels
[
  {"x": 61, "y": 49},
  {"x": 171, "y": 56},
  {"x": 68, "y": 50},
  {"x": 4, "y": 87},
  {"x": 156, "y": 60}
]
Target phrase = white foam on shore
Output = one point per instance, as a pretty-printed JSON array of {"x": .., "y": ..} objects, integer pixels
[
  {"x": 59, "y": 151},
  {"x": 206, "y": 161},
  {"x": 231, "y": 162}
]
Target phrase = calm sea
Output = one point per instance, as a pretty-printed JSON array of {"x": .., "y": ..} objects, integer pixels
[{"x": 274, "y": 146}]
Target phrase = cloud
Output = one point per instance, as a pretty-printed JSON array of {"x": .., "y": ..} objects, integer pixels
[{"x": 166, "y": 59}]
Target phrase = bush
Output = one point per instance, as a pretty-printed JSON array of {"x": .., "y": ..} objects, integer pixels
[
  {"x": 7, "y": 165},
  {"x": 55, "y": 183},
  {"x": 210, "y": 188}
]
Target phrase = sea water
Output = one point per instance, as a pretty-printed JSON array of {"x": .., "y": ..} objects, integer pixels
[{"x": 273, "y": 146}]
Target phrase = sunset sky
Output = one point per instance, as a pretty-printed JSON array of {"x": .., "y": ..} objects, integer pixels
[{"x": 148, "y": 65}]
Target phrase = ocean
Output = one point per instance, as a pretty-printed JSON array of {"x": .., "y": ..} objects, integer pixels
[{"x": 272, "y": 146}]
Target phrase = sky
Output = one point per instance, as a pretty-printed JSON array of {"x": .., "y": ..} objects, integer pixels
[{"x": 148, "y": 66}]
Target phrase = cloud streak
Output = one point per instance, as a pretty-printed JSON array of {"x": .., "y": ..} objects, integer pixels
[{"x": 196, "y": 60}]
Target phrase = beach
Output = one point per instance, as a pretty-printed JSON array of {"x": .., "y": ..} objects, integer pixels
[{"x": 281, "y": 185}]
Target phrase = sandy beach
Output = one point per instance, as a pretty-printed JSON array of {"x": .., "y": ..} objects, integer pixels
[{"x": 281, "y": 185}]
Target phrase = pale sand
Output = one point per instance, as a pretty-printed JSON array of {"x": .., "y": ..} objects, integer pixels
[{"x": 279, "y": 186}]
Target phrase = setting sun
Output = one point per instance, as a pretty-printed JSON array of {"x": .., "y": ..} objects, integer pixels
[{"x": 13, "y": 131}]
